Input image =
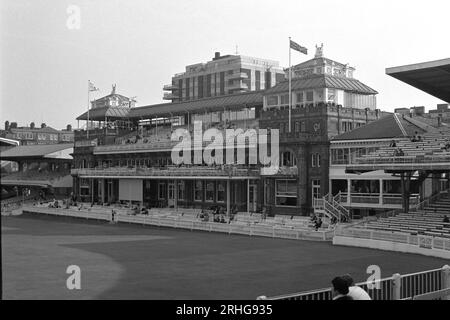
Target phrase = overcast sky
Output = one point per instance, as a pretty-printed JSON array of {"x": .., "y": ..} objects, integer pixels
[{"x": 140, "y": 44}]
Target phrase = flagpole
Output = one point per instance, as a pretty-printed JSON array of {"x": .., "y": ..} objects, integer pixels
[
  {"x": 290, "y": 95},
  {"x": 87, "y": 124}
]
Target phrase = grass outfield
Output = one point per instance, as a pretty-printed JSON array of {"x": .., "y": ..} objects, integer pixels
[{"x": 135, "y": 262}]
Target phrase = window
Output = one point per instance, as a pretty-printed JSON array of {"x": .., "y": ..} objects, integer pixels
[
  {"x": 300, "y": 97},
  {"x": 303, "y": 126},
  {"x": 318, "y": 160},
  {"x": 221, "y": 186},
  {"x": 162, "y": 191},
  {"x": 310, "y": 96},
  {"x": 198, "y": 188},
  {"x": 297, "y": 126},
  {"x": 316, "y": 188},
  {"x": 286, "y": 193},
  {"x": 313, "y": 160},
  {"x": 272, "y": 100},
  {"x": 209, "y": 191},
  {"x": 284, "y": 99}
]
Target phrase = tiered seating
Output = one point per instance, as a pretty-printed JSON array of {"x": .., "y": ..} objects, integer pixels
[
  {"x": 429, "y": 221},
  {"x": 430, "y": 146}
]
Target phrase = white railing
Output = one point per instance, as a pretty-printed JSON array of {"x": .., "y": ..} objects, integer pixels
[
  {"x": 421, "y": 241},
  {"x": 250, "y": 229},
  {"x": 431, "y": 284}
]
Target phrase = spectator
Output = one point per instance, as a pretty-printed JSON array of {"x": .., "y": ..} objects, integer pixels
[
  {"x": 340, "y": 289},
  {"x": 393, "y": 144},
  {"x": 446, "y": 219},
  {"x": 446, "y": 145},
  {"x": 398, "y": 152},
  {"x": 357, "y": 293},
  {"x": 416, "y": 137},
  {"x": 318, "y": 224}
]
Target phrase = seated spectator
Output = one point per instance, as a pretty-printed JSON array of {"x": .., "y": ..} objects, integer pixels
[
  {"x": 446, "y": 219},
  {"x": 340, "y": 289},
  {"x": 333, "y": 220},
  {"x": 416, "y": 137},
  {"x": 357, "y": 293},
  {"x": 222, "y": 218},
  {"x": 393, "y": 144},
  {"x": 398, "y": 152},
  {"x": 318, "y": 224},
  {"x": 446, "y": 145}
]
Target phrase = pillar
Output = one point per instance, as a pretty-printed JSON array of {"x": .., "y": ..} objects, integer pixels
[
  {"x": 176, "y": 195},
  {"x": 248, "y": 195},
  {"x": 349, "y": 191},
  {"x": 381, "y": 191},
  {"x": 228, "y": 198}
]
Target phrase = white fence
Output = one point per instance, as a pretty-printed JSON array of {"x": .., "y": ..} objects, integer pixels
[
  {"x": 248, "y": 229},
  {"x": 425, "y": 285},
  {"x": 69, "y": 213},
  {"x": 422, "y": 241}
]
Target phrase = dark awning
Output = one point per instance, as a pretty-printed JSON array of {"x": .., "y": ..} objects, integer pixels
[{"x": 432, "y": 77}]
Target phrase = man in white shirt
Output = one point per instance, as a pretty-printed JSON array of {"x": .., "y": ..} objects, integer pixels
[{"x": 357, "y": 293}]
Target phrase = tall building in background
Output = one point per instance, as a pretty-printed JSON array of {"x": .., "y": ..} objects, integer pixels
[{"x": 223, "y": 75}]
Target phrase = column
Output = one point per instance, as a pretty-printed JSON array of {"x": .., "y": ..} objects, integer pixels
[
  {"x": 381, "y": 192},
  {"x": 248, "y": 195},
  {"x": 176, "y": 195},
  {"x": 103, "y": 190},
  {"x": 349, "y": 191},
  {"x": 228, "y": 198}
]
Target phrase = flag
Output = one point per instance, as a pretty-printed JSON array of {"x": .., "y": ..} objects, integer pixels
[
  {"x": 297, "y": 47},
  {"x": 92, "y": 87}
]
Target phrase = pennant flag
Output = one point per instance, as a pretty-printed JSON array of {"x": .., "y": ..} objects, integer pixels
[
  {"x": 92, "y": 87},
  {"x": 297, "y": 47}
]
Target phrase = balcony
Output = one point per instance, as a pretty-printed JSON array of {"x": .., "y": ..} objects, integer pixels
[
  {"x": 374, "y": 200},
  {"x": 170, "y": 96},
  {"x": 238, "y": 76},
  {"x": 170, "y": 87},
  {"x": 282, "y": 171},
  {"x": 237, "y": 85},
  {"x": 135, "y": 147},
  {"x": 188, "y": 172}
]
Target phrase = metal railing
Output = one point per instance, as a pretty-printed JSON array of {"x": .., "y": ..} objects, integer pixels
[
  {"x": 247, "y": 228},
  {"x": 168, "y": 171},
  {"x": 422, "y": 241},
  {"x": 431, "y": 284},
  {"x": 375, "y": 198},
  {"x": 421, "y": 205}
]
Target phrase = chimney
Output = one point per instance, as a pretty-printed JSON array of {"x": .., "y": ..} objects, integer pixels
[
  {"x": 32, "y": 125},
  {"x": 217, "y": 55},
  {"x": 6, "y": 125},
  {"x": 69, "y": 127},
  {"x": 43, "y": 125}
]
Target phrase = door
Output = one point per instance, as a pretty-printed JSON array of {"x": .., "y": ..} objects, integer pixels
[
  {"x": 253, "y": 194},
  {"x": 171, "y": 194}
]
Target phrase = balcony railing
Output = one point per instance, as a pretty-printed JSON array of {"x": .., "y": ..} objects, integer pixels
[
  {"x": 238, "y": 85},
  {"x": 387, "y": 200},
  {"x": 435, "y": 158},
  {"x": 170, "y": 171},
  {"x": 170, "y": 87},
  {"x": 170, "y": 96},
  {"x": 238, "y": 75},
  {"x": 284, "y": 171}
]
